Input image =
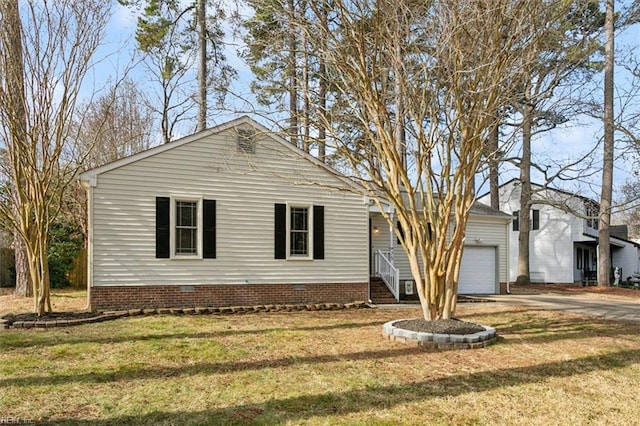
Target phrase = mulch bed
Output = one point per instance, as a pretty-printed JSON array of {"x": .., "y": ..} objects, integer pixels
[
  {"x": 50, "y": 316},
  {"x": 56, "y": 319},
  {"x": 443, "y": 326}
]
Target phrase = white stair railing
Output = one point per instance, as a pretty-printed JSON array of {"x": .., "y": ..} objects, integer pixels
[{"x": 388, "y": 272}]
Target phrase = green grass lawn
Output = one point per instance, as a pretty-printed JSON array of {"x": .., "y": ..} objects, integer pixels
[{"x": 327, "y": 367}]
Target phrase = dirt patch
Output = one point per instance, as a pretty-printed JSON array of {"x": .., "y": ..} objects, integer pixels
[{"x": 444, "y": 326}]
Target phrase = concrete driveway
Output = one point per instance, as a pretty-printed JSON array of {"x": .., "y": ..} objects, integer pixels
[{"x": 617, "y": 309}]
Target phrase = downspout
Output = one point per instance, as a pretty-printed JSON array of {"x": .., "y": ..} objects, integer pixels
[
  {"x": 508, "y": 256},
  {"x": 88, "y": 186}
]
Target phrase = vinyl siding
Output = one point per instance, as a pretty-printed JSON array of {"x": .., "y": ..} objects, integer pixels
[
  {"x": 491, "y": 232},
  {"x": 245, "y": 187}
]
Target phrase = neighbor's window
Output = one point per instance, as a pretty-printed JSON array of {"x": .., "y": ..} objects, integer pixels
[
  {"x": 186, "y": 227},
  {"x": 592, "y": 216},
  {"x": 516, "y": 220},
  {"x": 299, "y": 231}
]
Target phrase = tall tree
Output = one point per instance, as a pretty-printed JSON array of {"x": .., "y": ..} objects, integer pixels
[
  {"x": 564, "y": 60},
  {"x": 16, "y": 106},
  {"x": 290, "y": 75},
  {"x": 177, "y": 37},
  {"x": 201, "y": 19},
  {"x": 427, "y": 52},
  {"x": 46, "y": 50},
  {"x": 604, "y": 233}
]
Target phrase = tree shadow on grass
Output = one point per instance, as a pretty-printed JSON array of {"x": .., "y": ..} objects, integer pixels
[
  {"x": 533, "y": 326},
  {"x": 25, "y": 339},
  {"x": 535, "y": 330},
  {"x": 300, "y": 408},
  {"x": 125, "y": 373}
]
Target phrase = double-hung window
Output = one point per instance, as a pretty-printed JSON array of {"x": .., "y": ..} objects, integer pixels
[
  {"x": 299, "y": 231},
  {"x": 186, "y": 228}
]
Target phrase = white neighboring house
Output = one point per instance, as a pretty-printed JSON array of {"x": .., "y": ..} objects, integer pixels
[
  {"x": 563, "y": 246},
  {"x": 236, "y": 215}
]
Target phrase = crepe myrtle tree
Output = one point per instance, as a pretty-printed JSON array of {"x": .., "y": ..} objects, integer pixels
[
  {"x": 421, "y": 82},
  {"x": 46, "y": 51}
]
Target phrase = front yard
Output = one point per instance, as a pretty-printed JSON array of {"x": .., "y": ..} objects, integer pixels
[{"x": 323, "y": 367}]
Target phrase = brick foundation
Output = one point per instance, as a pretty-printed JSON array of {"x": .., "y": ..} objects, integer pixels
[
  {"x": 503, "y": 288},
  {"x": 177, "y": 296}
]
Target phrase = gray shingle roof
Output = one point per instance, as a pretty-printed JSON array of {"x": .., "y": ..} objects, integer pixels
[{"x": 483, "y": 209}]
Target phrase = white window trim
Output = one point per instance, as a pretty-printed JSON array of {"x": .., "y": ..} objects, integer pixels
[
  {"x": 172, "y": 224},
  {"x": 309, "y": 255}
]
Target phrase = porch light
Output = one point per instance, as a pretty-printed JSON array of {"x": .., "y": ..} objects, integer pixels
[{"x": 375, "y": 230}]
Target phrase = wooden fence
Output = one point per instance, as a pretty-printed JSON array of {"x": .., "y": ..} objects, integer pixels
[
  {"x": 77, "y": 275},
  {"x": 7, "y": 273}
]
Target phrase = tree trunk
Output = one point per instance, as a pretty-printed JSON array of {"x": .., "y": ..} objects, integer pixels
[
  {"x": 202, "y": 64},
  {"x": 604, "y": 249},
  {"x": 306, "y": 105},
  {"x": 23, "y": 279},
  {"x": 494, "y": 161},
  {"x": 322, "y": 93},
  {"x": 14, "y": 69},
  {"x": 293, "y": 80},
  {"x": 399, "y": 130},
  {"x": 525, "y": 198},
  {"x": 39, "y": 271}
]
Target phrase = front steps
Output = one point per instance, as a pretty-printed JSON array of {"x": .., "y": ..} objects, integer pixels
[{"x": 379, "y": 293}]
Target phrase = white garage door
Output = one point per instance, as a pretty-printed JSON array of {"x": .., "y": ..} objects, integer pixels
[{"x": 478, "y": 271}]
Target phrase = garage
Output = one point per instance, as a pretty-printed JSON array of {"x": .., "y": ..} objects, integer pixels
[{"x": 478, "y": 271}]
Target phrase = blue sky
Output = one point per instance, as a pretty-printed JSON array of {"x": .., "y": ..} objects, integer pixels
[{"x": 563, "y": 144}]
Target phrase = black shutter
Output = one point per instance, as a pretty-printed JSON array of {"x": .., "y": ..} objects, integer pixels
[
  {"x": 400, "y": 232},
  {"x": 280, "y": 231},
  {"x": 318, "y": 232},
  {"x": 516, "y": 220},
  {"x": 209, "y": 229},
  {"x": 162, "y": 227},
  {"x": 536, "y": 219}
]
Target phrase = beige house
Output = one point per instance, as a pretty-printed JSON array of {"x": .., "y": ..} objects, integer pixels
[{"x": 236, "y": 215}]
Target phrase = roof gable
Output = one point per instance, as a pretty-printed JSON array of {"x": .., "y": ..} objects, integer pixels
[
  {"x": 90, "y": 176},
  {"x": 516, "y": 181}
]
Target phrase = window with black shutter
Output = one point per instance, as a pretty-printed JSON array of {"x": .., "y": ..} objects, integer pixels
[
  {"x": 298, "y": 231},
  {"x": 209, "y": 229},
  {"x": 280, "y": 231},
  {"x": 318, "y": 232},
  {"x": 185, "y": 228},
  {"x": 163, "y": 230},
  {"x": 535, "y": 223}
]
